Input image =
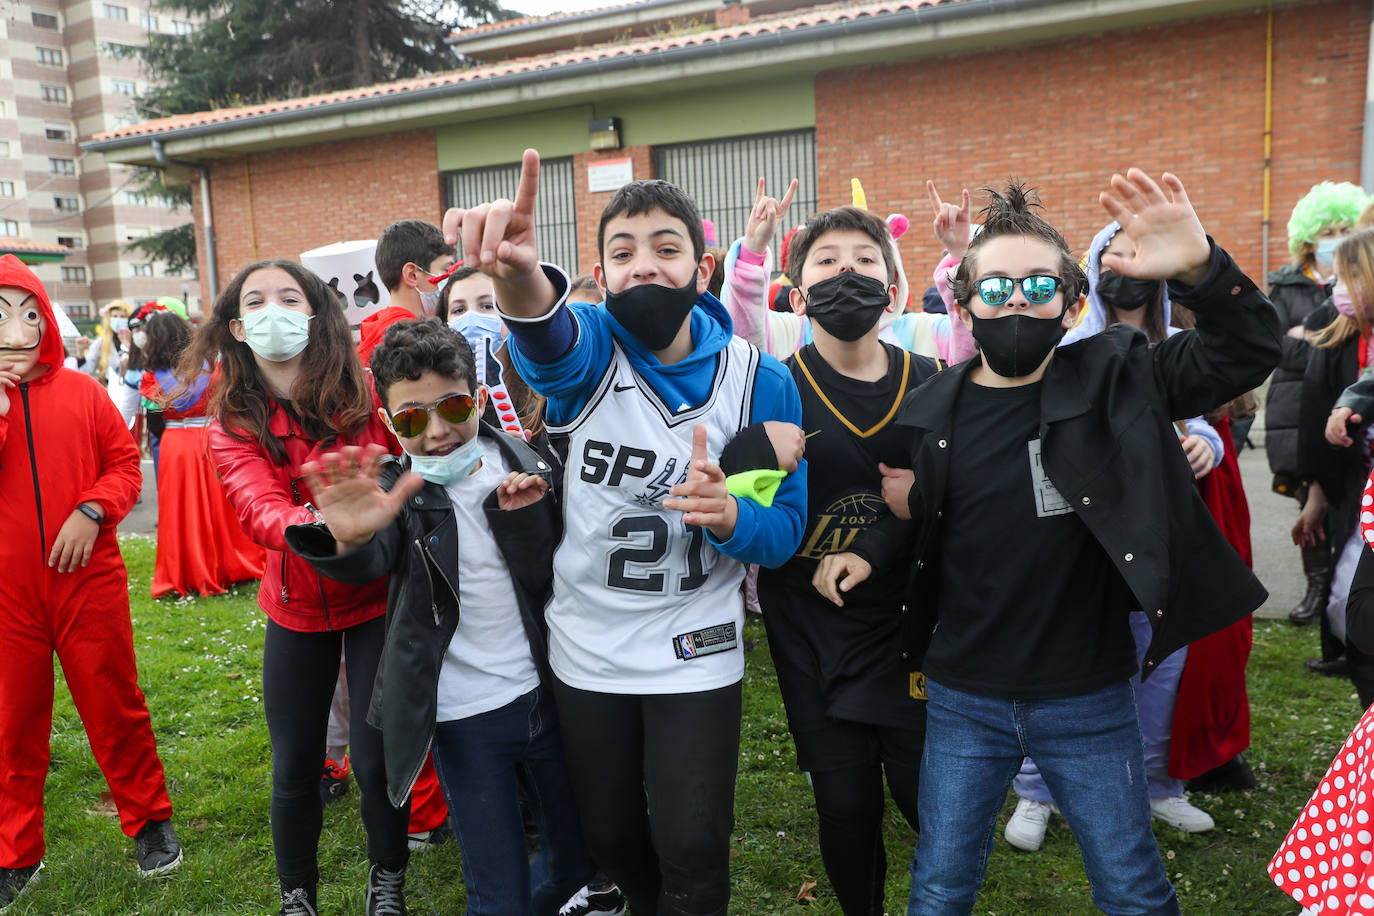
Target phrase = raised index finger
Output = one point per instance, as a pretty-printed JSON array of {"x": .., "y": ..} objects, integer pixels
[
  {"x": 528, "y": 191},
  {"x": 453, "y": 224},
  {"x": 935, "y": 202}
]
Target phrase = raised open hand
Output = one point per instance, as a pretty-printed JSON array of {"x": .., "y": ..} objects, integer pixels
[
  {"x": 764, "y": 218},
  {"x": 1170, "y": 243},
  {"x": 953, "y": 224},
  {"x": 702, "y": 497},
  {"x": 344, "y": 484}
]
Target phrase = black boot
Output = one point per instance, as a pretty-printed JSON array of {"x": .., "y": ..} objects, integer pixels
[
  {"x": 1316, "y": 565},
  {"x": 1234, "y": 775},
  {"x": 1333, "y": 661}
]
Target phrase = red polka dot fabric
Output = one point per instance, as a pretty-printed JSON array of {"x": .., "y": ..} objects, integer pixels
[
  {"x": 1325, "y": 862},
  {"x": 1367, "y": 511}
]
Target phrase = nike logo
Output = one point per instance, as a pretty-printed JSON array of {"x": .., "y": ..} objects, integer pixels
[{"x": 624, "y": 387}]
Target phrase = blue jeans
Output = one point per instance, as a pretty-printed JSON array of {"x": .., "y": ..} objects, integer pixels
[
  {"x": 483, "y": 761},
  {"x": 1089, "y": 751}
]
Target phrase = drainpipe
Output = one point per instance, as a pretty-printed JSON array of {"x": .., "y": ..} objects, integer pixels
[
  {"x": 1269, "y": 137},
  {"x": 211, "y": 262},
  {"x": 1367, "y": 148}
]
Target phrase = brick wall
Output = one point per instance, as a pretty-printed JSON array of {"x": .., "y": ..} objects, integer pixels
[
  {"x": 278, "y": 204},
  {"x": 1064, "y": 115},
  {"x": 589, "y": 205}
]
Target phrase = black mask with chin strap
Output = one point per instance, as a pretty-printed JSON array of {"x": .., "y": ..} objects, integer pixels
[{"x": 653, "y": 314}]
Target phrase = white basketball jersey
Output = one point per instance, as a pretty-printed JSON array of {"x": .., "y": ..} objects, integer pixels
[{"x": 641, "y": 602}]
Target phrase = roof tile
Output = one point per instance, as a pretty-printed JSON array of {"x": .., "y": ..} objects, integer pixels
[{"x": 819, "y": 15}]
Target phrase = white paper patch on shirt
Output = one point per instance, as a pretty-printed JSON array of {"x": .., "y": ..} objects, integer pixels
[{"x": 1048, "y": 502}]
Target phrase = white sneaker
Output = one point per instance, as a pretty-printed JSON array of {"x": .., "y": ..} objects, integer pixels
[
  {"x": 1026, "y": 828},
  {"x": 1177, "y": 811}
]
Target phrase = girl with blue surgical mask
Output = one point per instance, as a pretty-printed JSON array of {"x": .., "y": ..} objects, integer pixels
[{"x": 288, "y": 387}]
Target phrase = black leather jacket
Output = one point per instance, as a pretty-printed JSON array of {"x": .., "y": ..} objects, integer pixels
[
  {"x": 1110, "y": 448},
  {"x": 418, "y": 553}
]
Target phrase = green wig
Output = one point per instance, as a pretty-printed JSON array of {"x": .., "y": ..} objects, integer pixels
[{"x": 1328, "y": 202}]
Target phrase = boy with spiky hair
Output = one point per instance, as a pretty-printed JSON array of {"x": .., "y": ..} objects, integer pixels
[
  {"x": 1049, "y": 499},
  {"x": 644, "y": 624}
]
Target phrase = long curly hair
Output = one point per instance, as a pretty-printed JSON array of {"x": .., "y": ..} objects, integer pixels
[{"x": 330, "y": 396}]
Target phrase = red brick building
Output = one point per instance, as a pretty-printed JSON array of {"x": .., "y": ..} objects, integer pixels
[{"x": 1060, "y": 93}]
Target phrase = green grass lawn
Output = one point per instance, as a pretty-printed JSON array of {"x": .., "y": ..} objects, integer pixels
[{"x": 200, "y": 666}]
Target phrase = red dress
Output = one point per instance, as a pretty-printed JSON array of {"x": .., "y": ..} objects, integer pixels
[
  {"x": 201, "y": 546},
  {"x": 1324, "y": 863}
]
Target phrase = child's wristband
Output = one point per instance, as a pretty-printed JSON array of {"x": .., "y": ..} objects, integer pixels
[{"x": 759, "y": 486}]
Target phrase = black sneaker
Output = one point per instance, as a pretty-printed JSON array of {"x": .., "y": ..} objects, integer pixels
[
  {"x": 157, "y": 849},
  {"x": 386, "y": 892},
  {"x": 14, "y": 881},
  {"x": 585, "y": 902},
  {"x": 299, "y": 901}
]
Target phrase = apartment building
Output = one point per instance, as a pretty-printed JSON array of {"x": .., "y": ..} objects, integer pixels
[{"x": 68, "y": 71}]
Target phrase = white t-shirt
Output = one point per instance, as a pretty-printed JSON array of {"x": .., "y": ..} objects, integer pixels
[{"x": 488, "y": 662}]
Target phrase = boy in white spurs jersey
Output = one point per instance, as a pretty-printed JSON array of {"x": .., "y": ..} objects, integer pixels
[{"x": 645, "y": 619}]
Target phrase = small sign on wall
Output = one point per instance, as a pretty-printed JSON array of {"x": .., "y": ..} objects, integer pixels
[{"x": 610, "y": 174}]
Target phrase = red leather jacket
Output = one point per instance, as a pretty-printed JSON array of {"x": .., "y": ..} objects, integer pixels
[{"x": 269, "y": 498}]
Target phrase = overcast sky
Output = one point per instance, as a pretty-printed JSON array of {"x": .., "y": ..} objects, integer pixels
[{"x": 545, "y": 7}]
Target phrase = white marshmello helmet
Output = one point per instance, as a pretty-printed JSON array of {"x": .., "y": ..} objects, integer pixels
[{"x": 350, "y": 269}]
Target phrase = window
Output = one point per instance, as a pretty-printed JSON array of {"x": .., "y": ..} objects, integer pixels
[
  {"x": 4, "y": 149},
  {"x": 4, "y": 109},
  {"x": 148, "y": 21},
  {"x": 125, "y": 120},
  {"x": 140, "y": 270},
  {"x": 77, "y": 309},
  {"x": 171, "y": 272},
  {"x": 66, "y": 203},
  {"x": 181, "y": 27},
  {"x": 9, "y": 227},
  {"x": 49, "y": 57},
  {"x": 73, "y": 275},
  {"x": 70, "y": 241},
  {"x": 120, "y": 13},
  {"x": 65, "y": 167},
  {"x": 136, "y": 198},
  {"x": 124, "y": 87},
  {"x": 120, "y": 51},
  {"x": 57, "y": 132},
  {"x": 6, "y": 189},
  {"x": 44, "y": 21},
  {"x": 52, "y": 93},
  {"x": 711, "y": 171}
]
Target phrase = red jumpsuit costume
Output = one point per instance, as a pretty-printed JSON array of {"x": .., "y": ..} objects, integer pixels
[{"x": 63, "y": 443}]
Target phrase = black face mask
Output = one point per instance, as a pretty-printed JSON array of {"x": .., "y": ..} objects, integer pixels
[
  {"x": 1015, "y": 345},
  {"x": 1123, "y": 293},
  {"x": 847, "y": 305},
  {"x": 653, "y": 314}
]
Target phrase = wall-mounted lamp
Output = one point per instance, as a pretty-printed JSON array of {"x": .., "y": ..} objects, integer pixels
[{"x": 604, "y": 133}]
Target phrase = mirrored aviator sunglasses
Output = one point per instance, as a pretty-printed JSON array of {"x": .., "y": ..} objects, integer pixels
[
  {"x": 411, "y": 422},
  {"x": 1038, "y": 289}
]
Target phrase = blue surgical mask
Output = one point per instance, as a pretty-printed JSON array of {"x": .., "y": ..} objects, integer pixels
[
  {"x": 119, "y": 323},
  {"x": 478, "y": 326},
  {"x": 1326, "y": 250},
  {"x": 276, "y": 333},
  {"x": 446, "y": 469}
]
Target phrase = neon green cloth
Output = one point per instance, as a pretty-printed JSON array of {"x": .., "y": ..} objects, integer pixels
[{"x": 760, "y": 486}]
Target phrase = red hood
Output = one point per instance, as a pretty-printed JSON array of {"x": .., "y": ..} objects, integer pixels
[{"x": 13, "y": 272}]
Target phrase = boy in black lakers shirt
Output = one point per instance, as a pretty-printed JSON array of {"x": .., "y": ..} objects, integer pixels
[{"x": 853, "y": 707}]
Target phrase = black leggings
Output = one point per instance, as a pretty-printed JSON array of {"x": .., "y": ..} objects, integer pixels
[
  {"x": 672, "y": 754},
  {"x": 849, "y": 803},
  {"x": 299, "y": 671}
]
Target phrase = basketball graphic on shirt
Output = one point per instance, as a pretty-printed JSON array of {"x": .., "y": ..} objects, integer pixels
[{"x": 835, "y": 528}]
